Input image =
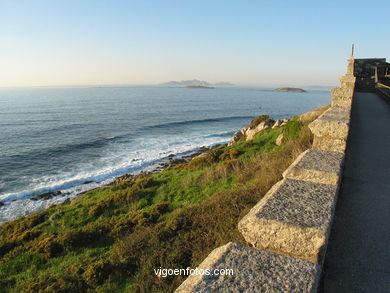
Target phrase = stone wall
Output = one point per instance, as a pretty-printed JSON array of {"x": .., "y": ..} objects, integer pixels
[
  {"x": 288, "y": 229},
  {"x": 369, "y": 71}
]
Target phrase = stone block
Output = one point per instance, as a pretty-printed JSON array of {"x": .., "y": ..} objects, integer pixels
[
  {"x": 253, "y": 271},
  {"x": 316, "y": 166},
  {"x": 348, "y": 81},
  {"x": 293, "y": 219},
  {"x": 334, "y": 123},
  {"x": 342, "y": 92},
  {"x": 330, "y": 144},
  {"x": 342, "y": 97},
  {"x": 338, "y": 112},
  {"x": 340, "y": 101}
]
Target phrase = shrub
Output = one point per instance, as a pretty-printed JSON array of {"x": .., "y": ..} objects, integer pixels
[
  {"x": 129, "y": 249},
  {"x": 123, "y": 226},
  {"x": 51, "y": 283},
  {"x": 160, "y": 208},
  {"x": 291, "y": 129},
  {"x": 97, "y": 209},
  {"x": 256, "y": 121},
  {"x": 98, "y": 272},
  {"x": 229, "y": 154},
  {"x": 144, "y": 183},
  {"x": 143, "y": 218},
  {"x": 26, "y": 235},
  {"x": 91, "y": 233},
  {"x": 48, "y": 246},
  {"x": 150, "y": 214},
  {"x": 123, "y": 196},
  {"x": 199, "y": 162},
  {"x": 21, "y": 229},
  {"x": 179, "y": 166},
  {"x": 6, "y": 246},
  {"x": 214, "y": 154},
  {"x": 207, "y": 158}
]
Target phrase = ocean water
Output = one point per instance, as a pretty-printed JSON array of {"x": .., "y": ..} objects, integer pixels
[{"x": 75, "y": 139}]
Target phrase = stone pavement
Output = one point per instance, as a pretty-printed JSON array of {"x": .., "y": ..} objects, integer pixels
[{"x": 358, "y": 254}]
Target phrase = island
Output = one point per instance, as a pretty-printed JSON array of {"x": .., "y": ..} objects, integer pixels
[
  {"x": 199, "y": 87},
  {"x": 196, "y": 83},
  {"x": 290, "y": 89}
]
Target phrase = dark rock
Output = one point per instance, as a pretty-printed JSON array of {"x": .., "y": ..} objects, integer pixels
[
  {"x": 1, "y": 204},
  {"x": 126, "y": 177},
  {"x": 236, "y": 137},
  {"x": 178, "y": 161},
  {"x": 67, "y": 201},
  {"x": 46, "y": 196},
  {"x": 87, "y": 182}
]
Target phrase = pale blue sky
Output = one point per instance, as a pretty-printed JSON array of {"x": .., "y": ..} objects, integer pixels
[{"x": 278, "y": 42}]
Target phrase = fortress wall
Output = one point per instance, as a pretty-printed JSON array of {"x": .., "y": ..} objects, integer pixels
[{"x": 289, "y": 227}]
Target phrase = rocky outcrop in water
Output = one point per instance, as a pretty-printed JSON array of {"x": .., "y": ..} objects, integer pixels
[{"x": 47, "y": 195}]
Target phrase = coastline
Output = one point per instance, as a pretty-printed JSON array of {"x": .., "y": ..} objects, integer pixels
[
  {"x": 58, "y": 197},
  {"x": 77, "y": 157},
  {"x": 137, "y": 217}
]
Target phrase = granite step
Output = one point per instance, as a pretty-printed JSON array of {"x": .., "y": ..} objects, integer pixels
[
  {"x": 333, "y": 123},
  {"x": 253, "y": 271},
  {"x": 293, "y": 218},
  {"x": 316, "y": 166}
]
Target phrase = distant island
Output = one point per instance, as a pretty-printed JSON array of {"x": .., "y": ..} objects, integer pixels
[
  {"x": 194, "y": 82},
  {"x": 290, "y": 89},
  {"x": 199, "y": 87}
]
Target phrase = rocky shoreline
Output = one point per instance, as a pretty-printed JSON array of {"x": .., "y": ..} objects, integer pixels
[
  {"x": 247, "y": 133},
  {"x": 166, "y": 163}
]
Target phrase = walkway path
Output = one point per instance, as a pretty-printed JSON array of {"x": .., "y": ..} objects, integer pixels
[{"x": 358, "y": 256}]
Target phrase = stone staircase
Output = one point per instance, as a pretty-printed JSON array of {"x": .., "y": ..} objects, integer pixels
[{"x": 289, "y": 227}]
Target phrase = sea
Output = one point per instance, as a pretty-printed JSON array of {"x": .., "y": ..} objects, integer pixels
[{"x": 73, "y": 139}]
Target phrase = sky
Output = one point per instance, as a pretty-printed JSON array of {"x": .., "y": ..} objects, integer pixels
[{"x": 258, "y": 43}]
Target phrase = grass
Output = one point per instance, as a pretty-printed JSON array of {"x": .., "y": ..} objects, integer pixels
[{"x": 110, "y": 239}]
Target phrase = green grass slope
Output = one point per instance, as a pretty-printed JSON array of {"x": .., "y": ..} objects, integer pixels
[{"x": 110, "y": 239}]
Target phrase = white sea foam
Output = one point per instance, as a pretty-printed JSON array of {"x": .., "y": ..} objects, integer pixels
[
  {"x": 119, "y": 160},
  {"x": 57, "y": 139}
]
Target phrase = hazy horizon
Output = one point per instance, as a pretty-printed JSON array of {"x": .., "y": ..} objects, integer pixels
[
  {"x": 271, "y": 86},
  {"x": 136, "y": 43}
]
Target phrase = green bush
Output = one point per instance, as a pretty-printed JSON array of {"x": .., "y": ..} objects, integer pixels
[
  {"x": 229, "y": 154},
  {"x": 97, "y": 272},
  {"x": 97, "y": 210},
  {"x": 256, "y": 121},
  {"x": 60, "y": 284},
  {"x": 90, "y": 234},
  {"x": 48, "y": 246},
  {"x": 291, "y": 129},
  {"x": 6, "y": 246}
]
